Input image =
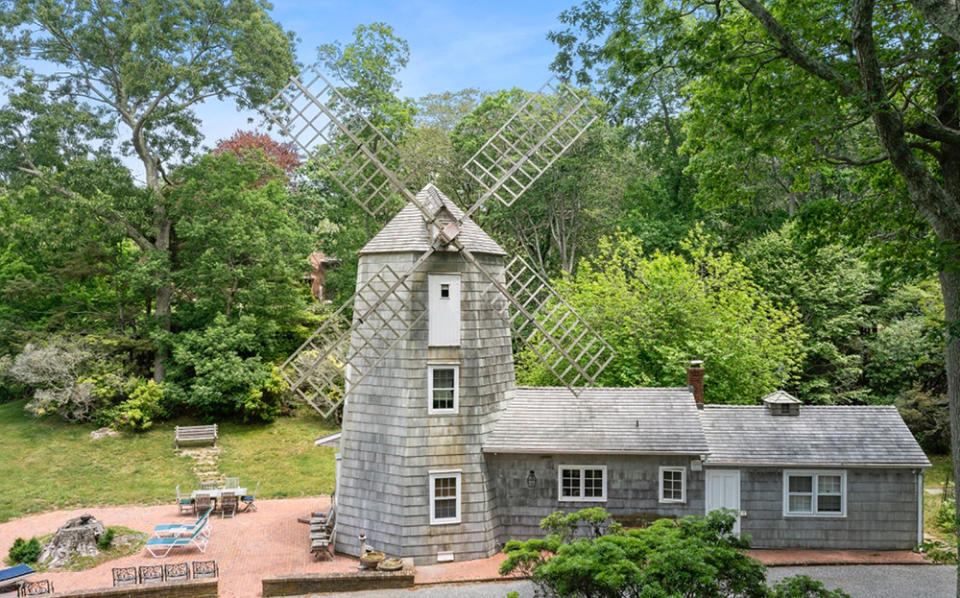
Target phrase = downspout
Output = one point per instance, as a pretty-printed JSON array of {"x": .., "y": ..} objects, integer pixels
[{"x": 919, "y": 507}]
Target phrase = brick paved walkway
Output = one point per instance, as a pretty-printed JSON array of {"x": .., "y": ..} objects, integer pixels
[{"x": 248, "y": 547}]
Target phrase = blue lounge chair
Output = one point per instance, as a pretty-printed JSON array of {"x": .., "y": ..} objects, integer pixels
[
  {"x": 184, "y": 529},
  {"x": 161, "y": 547},
  {"x": 10, "y": 578}
]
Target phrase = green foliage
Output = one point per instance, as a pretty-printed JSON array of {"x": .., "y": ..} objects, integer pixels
[
  {"x": 928, "y": 416},
  {"x": 106, "y": 540},
  {"x": 695, "y": 556},
  {"x": 219, "y": 373},
  {"x": 802, "y": 586},
  {"x": 939, "y": 552},
  {"x": 835, "y": 294},
  {"x": 946, "y": 518},
  {"x": 138, "y": 412},
  {"x": 25, "y": 551},
  {"x": 660, "y": 311}
]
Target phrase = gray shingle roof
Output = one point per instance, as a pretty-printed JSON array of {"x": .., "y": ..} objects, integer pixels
[
  {"x": 821, "y": 436},
  {"x": 407, "y": 232},
  {"x": 601, "y": 420}
]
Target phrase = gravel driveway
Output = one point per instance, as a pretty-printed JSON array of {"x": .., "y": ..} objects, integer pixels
[{"x": 860, "y": 581}]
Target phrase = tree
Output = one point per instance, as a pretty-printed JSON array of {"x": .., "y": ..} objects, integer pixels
[
  {"x": 864, "y": 90},
  {"x": 835, "y": 293},
  {"x": 560, "y": 217},
  {"x": 368, "y": 65},
  {"x": 282, "y": 155},
  {"x": 662, "y": 310},
  {"x": 143, "y": 66},
  {"x": 694, "y": 556}
]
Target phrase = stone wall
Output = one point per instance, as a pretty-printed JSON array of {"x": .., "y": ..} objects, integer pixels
[
  {"x": 313, "y": 583},
  {"x": 207, "y": 588}
]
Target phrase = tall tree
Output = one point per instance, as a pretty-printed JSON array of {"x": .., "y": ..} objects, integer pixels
[
  {"x": 868, "y": 88},
  {"x": 141, "y": 68}
]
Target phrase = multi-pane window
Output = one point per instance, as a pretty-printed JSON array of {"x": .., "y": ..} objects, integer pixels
[
  {"x": 814, "y": 493},
  {"x": 444, "y": 497},
  {"x": 673, "y": 484},
  {"x": 586, "y": 483},
  {"x": 442, "y": 383}
]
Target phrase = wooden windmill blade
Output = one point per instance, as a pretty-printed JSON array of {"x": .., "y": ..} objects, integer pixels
[
  {"x": 340, "y": 353},
  {"x": 547, "y": 325},
  {"x": 545, "y": 126},
  {"x": 316, "y": 115}
]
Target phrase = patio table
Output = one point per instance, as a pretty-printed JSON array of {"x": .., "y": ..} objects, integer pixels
[{"x": 216, "y": 492}]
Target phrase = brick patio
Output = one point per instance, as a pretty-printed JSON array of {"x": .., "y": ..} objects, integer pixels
[
  {"x": 248, "y": 547},
  {"x": 270, "y": 541}
]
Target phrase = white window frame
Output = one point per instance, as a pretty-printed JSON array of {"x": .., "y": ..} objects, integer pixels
[
  {"x": 815, "y": 489},
  {"x": 581, "y": 498},
  {"x": 683, "y": 483},
  {"x": 456, "y": 388},
  {"x": 434, "y": 475}
]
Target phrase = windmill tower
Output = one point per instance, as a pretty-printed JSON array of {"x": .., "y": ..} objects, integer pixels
[{"x": 424, "y": 366}]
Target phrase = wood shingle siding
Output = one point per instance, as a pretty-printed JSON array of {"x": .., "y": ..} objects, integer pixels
[
  {"x": 390, "y": 443},
  {"x": 841, "y": 436},
  {"x": 881, "y": 512},
  {"x": 632, "y": 488},
  {"x": 600, "y": 420}
]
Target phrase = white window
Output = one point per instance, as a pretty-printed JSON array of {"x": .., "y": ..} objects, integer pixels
[
  {"x": 443, "y": 294},
  {"x": 443, "y": 389},
  {"x": 673, "y": 484},
  {"x": 582, "y": 483},
  {"x": 815, "y": 493},
  {"x": 444, "y": 497}
]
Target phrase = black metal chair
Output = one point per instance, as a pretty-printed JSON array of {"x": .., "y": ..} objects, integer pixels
[
  {"x": 205, "y": 569},
  {"x": 176, "y": 571},
  {"x": 151, "y": 574},
  {"x": 124, "y": 576},
  {"x": 35, "y": 588}
]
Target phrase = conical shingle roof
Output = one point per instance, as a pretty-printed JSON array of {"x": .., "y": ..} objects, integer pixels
[{"x": 408, "y": 232}]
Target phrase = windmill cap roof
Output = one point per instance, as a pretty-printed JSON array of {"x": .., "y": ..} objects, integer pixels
[{"x": 408, "y": 232}]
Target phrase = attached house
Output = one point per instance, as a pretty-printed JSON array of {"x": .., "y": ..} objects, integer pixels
[{"x": 839, "y": 477}]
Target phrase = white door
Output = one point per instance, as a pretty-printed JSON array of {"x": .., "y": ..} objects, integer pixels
[
  {"x": 444, "y": 305},
  {"x": 723, "y": 491}
]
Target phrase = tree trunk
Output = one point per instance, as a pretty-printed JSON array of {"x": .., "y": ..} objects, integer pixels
[
  {"x": 950, "y": 285},
  {"x": 164, "y": 296}
]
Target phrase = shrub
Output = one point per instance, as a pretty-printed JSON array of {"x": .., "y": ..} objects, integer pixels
[
  {"x": 106, "y": 540},
  {"x": 138, "y": 412},
  {"x": 25, "y": 551},
  {"x": 946, "y": 518},
  {"x": 586, "y": 555},
  {"x": 802, "y": 586}
]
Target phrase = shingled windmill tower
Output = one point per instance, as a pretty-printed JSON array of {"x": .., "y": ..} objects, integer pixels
[{"x": 425, "y": 365}]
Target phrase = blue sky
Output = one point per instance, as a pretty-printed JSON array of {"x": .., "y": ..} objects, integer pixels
[{"x": 488, "y": 45}]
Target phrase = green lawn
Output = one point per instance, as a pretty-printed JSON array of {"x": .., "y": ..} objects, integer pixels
[
  {"x": 934, "y": 478},
  {"x": 48, "y": 464}
]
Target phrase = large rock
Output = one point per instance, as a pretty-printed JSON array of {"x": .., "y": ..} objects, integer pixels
[{"x": 77, "y": 537}]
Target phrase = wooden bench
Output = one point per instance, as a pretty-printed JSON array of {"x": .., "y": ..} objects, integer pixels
[{"x": 195, "y": 435}]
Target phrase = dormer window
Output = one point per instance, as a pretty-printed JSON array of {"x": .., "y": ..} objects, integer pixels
[
  {"x": 782, "y": 403},
  {"x": 444, "y": 291}
]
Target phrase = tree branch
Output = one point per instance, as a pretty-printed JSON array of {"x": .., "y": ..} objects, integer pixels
[
  {"x": 944, "y": 15},
  {"x": 794, "y": 52}
]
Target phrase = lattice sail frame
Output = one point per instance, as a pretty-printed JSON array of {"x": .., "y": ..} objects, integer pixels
[
  {"x": 547, "y": 325},
  {"x": 340, "y": 353},
  {"x": 318, "y": 118},
  {"x": 547, "y": 124}
]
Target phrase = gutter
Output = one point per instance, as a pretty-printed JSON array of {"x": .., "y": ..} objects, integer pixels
[{"x": 920, "y": 507}]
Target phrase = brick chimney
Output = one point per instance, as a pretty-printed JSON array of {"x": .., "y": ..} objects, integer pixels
[{"x": 695, "y": 380}]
